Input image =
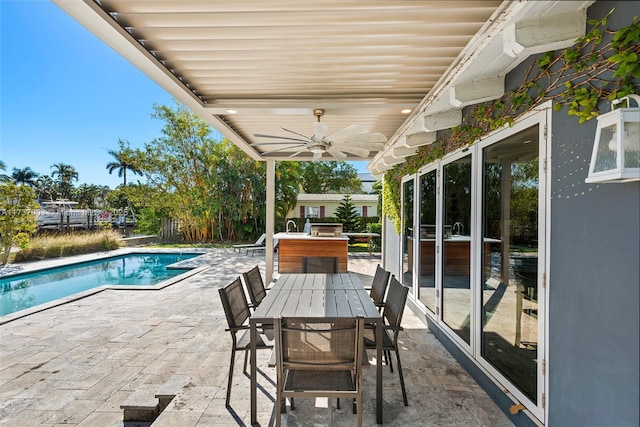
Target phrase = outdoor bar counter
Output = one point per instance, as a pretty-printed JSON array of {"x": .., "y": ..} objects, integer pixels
[{"x": 292, "y": 247}]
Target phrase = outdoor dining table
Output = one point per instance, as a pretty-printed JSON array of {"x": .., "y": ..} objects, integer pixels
[{"x": 316, "y": 295}]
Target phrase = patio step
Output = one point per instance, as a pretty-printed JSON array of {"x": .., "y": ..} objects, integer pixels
[
  {"x": 140, "y": 406},
  {"x": 170, "y": 389},
  {"x": 144, "y": 406}
]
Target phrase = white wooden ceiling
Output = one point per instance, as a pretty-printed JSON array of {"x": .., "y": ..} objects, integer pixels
[{"x": 257, "y": 66}]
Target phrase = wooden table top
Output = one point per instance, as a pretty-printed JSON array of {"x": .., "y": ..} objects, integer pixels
[{"x": 316, "y": 295}]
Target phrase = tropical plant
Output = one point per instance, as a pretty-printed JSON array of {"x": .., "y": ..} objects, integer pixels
[
  {"x": 89, "y": 195},
  {"x": 66, "y": 174},
  {"x": 25, "y": 176},
  {"x": 17, "y": 219},
  {"x": 125, "y": 159}
]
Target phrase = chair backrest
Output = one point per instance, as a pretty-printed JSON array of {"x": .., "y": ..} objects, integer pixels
[
  {"x": 261, "y": 239},
  {"x": 395, "y": 302},
  {"x": 379, "y": 284},
  {"x": 319, "y": 264},
  {"x": 319, "y": 343},
  {"x": 255, "y": 285},
  {"x": 235, "y": 304}
]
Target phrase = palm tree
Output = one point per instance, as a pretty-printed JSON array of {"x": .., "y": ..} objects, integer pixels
[
  {"x": 47, "y": 188},
  {"x": 124, "y": 159},
  {"x": 3, "y": 177},
  {"x": 25, "y": 176},
  {"x": 66, "y": 175}
]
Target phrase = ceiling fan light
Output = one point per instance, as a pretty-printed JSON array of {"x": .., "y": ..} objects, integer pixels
[{"x": 317, "y": 149}]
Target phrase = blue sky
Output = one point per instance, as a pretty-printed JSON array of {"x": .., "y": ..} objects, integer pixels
[{"x": 66, "y": 97}]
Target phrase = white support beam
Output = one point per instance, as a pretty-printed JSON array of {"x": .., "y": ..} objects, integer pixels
[
  {"x": 402, "y": 152},
  {"x": 392, "y": 161},
  {"x": 474, "y": 92},
  {"x": 270, "y": 220},
  {"x": 445, "y": 120},
  {"x": 419, "y": 139},
  {"x": 544, "y": 33}
]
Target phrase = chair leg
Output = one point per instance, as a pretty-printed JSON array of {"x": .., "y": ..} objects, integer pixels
[
  {"x": 404, "y": 391},
  {"x": 279, "y": 402},
  {"x": 389, "y": 361},
  {"x": 246, "y": 357},
  {"x": 231, "y": 363}
]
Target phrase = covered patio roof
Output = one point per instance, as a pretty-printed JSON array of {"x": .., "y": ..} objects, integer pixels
[{"x": 404, "y": 69}]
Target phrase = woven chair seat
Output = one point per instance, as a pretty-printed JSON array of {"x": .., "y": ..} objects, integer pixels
[
  {"x": 370, "y": 339},
  {"x": 308, "y": 381}
]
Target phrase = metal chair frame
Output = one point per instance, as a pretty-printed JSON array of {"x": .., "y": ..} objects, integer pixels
[{"x": 236, "y": 309}]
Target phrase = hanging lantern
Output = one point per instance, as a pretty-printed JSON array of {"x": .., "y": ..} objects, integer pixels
[{"x": 616, "y": 148}]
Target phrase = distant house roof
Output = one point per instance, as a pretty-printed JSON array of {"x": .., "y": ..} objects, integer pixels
[
  {"x": 366, "y": 177},
  {"x": 366, "y": 198}
]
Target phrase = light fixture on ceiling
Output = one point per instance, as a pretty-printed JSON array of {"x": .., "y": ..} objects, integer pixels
[
  {"x": 616, "y": 148},
  {"x": 230, "y": 111},
  {"x": 406, "y": 111}
]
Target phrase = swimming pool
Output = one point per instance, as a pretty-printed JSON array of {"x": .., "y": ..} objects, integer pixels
[{"x": 27, "y": 290}]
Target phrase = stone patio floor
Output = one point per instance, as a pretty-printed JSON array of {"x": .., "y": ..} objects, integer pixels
[{"x": 76, "y": 363}]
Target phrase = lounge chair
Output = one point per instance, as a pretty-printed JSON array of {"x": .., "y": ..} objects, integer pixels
[
  {"x": 247, "y": 246},
  {"x": 262, "y": 248}
]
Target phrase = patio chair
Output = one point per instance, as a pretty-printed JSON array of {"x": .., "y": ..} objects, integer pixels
[
  {"x": 319, "y": 357},
  {"x": 392, "y": 313},
  {"x": 247, "y": 246},
  {"x": 379, "y": 286},
  {"x": 236, "y": 309},
  {"x": 319, "y": 264},
  {"x": 255, "y": 286}
]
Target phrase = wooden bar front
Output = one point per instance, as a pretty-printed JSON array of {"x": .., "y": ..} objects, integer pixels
[{"x": 291, "y": 251}]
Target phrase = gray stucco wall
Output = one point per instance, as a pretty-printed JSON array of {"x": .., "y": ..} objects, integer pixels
[{"x": 594, "y": 279}]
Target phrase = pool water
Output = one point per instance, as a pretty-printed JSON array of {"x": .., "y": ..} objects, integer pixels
[{"x": 28, "y": 290}]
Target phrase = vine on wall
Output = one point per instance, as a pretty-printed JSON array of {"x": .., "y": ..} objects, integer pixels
[{"x": 576, "y": 78}]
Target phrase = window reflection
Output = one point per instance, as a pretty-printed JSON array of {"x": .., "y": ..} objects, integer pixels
[
  {"x": 456, "y": 278},
  {"x": 427, "y": 267},
  {"x": 509, "y": 277},
  {"x": 407, "y": 247}
]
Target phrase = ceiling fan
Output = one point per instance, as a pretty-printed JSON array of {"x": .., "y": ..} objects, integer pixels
[{"x": 353, "y": 139}]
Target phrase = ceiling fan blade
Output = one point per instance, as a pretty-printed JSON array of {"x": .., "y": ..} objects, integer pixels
[
  {"x": 336, "y": 153},
  {"x": 319, "y": 129},
  {"x": 306, "y": 138},
  {"x": 259, "y": 135},
  {"x": 360, "y": 152},
  {"x": 317, "y": 156},
  {"x": 277, "y": 150},
  {"x": 365, "y": 140},
  {"x": 297, "y": 152},
  {"x": 367, "y": 146},
  {"x": 349, "y": 131},
  {"x": 256, "y": 144}
]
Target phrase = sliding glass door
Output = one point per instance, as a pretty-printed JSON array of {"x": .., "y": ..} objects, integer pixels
[
  {"x": 456, "y": 246},
  {"x": 510, "y": 250},
  {"x": 427, "y": 253}
]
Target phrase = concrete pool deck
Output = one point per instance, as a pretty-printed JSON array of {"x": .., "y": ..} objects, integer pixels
[{"x": 76, "y": 363}]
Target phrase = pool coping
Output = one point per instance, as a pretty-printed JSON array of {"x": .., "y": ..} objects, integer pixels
[{"x": 190, "y": 271}]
